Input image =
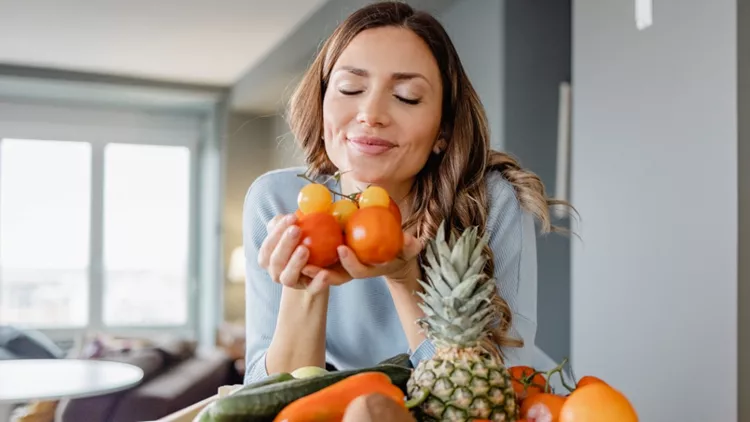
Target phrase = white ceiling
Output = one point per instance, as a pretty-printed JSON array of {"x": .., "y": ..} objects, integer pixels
[{"x": 193, "y": 41}]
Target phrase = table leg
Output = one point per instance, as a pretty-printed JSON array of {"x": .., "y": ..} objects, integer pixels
[{"x": 5, "y": 412}]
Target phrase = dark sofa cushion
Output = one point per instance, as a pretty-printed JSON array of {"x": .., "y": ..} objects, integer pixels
[
  {"x": 181, "y": 385},
  {"x": 175, "y": 350},
  {"x": 7, "y": 354},
  {"x": 100, "y": 408},
  {"x": 28, "y": 344},
  {"x": 150, "y": 360}
]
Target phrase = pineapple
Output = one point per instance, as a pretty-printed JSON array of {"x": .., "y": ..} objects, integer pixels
[{"x": 462, "y": 381}]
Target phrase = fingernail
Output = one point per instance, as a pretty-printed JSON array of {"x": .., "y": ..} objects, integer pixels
[
  {"x": 342, "y": 252},
  {"x": 290, "y": 218},
  {"x": 300, "y": 252},
  {"x": 293, "y": 231}
]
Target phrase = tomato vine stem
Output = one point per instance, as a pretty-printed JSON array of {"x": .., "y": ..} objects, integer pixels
[
  {"x": 558, "y": 369},
  {"x": 337, "y": 177}
]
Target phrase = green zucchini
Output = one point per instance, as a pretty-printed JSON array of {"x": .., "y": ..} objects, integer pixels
[
  {"x": 401, "y": 359},
  {"x": 271, "y": 379},
  {"x": 205, "y": 414},
  {"x": 262, "y": 404}
]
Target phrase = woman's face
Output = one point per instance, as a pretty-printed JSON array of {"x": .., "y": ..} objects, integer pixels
[{"x": 382, "y": 107}]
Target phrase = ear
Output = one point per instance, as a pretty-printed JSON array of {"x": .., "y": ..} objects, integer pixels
[{"x": 439, "y": 146}]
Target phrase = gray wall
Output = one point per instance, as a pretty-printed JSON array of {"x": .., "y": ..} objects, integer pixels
[
  {"x": 249, "y": 153},
  {"x": 743, "y": 73},
  {"x": 537, "y": 49},
  {"x": 654, "y": 175},
  {"x": 475, "y": 26},
  {"x": 516, "y": 54}
]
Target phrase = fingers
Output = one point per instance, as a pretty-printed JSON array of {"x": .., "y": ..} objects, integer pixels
[
  {"x": 333, "y": 276},
  {"x": 275, "y": 228},
  {"x": 351, "y": 264},
  {"x": 290, "y": 276},
  {"x": 283, "y": 251},
  {"x": 348, "y": 259},
  {"x": 318, "y": 282},
  {"x": 412, "y": 247},
  {"x": 272, "y": 222}
]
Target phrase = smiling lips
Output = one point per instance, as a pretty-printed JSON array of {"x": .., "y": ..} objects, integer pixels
[{"x": 371, "y": 145}]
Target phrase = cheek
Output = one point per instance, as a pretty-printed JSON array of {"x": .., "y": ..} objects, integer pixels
[
  {"x": 335, "y": 116},
  {"x": 422, "y": 134},
  {"x": 334, "y": 123}
]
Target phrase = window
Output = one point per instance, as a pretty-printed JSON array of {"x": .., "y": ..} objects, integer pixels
[
  {"x": 146, "y": 212},
  {"x": 45, "y": 208},
  {"x": 98, "y": 233}
]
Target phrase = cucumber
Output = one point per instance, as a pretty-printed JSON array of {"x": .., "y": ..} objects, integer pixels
[
  {"x": 262, "y": 404},
  {"x": 271, "y": 379},
  {"x": 401, "y": 359},
  {"x": 205, "y": 414}
]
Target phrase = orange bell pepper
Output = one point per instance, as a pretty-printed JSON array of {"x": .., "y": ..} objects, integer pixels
[{"x": 329, "y": 404}]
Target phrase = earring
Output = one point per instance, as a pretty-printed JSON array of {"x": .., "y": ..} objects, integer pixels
[{"x": 436, "y": 149}]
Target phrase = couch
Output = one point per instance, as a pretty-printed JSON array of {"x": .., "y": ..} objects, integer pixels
[
  {"x": 176, "y": 375},
  {"x": 26, "y": 344}
]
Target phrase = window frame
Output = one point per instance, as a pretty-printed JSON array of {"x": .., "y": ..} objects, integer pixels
[{"x": 100, "y": 126}]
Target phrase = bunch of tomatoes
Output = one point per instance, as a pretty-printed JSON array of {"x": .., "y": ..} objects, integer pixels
[
  {"x": 369, "y": 223},
  {"x": 591, "y": 399}
]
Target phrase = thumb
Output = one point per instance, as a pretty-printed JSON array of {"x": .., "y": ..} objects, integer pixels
[{"x": 412, "y": 246}]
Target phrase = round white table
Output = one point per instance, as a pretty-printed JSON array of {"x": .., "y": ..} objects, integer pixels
[{"x": 23, "y": 380}]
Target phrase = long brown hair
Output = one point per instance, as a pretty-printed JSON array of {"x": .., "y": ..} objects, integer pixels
[{"x": 452, "y": 185}]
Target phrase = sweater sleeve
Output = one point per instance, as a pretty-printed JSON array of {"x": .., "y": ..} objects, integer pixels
[
  {"x": 513, "y": 243},
  {"x": 262, "y": 295}
]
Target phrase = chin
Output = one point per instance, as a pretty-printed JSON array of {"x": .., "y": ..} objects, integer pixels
[
  {"x": 366, "y": 169},
  {"x": 372, "y": 175}
]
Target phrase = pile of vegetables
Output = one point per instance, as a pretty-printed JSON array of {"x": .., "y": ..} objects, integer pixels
[{"x": 311, "y": 394}]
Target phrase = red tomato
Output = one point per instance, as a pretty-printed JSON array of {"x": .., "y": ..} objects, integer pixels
[
  {"x": 523, "y": 390},
  {"x": 321, "y": 234},
  {"x": 393, "y": 207},
  {"x": 374, "y": 235}
]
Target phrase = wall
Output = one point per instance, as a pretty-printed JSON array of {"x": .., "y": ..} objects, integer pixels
[
  {"x": 537, "y": 46},
  {"x": 249, "y": 152},
  {"x": 654, "y": 175},
  {"x": 516, "y": 54},
  {"x": 743, "y": 73},
  {"x": 475, "y": 26},
  {"x": 286, "y": 153},
  {"x": 255, "y": 145}
]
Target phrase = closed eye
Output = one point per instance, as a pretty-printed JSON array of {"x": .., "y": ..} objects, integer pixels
[
  {"x": 408, "y": 100},
  {"x": 402, "y": 99}
]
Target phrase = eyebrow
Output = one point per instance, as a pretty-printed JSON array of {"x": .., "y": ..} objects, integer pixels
[{"x": 399, "y": 76}]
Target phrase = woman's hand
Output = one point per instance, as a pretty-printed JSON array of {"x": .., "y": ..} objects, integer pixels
[
  {"x": 404, "y": 267},
  {"x": 281, "y": 255}
]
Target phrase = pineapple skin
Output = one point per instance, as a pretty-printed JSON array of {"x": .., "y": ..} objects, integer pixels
[
  {"x": 464, "y": 384},
  {"x": 462, "y": 381}
]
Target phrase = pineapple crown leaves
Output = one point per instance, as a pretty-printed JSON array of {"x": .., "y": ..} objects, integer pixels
[{"x": 457, "y": 299}]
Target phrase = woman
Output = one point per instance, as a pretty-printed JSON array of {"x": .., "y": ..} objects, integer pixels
[{"x": 386, "y": 102}]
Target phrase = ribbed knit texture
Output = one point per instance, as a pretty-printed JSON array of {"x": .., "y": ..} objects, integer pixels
[{"x": 363, "y": 327}]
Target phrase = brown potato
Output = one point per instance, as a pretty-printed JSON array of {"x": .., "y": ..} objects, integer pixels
[{"x": 376, "y": 408}]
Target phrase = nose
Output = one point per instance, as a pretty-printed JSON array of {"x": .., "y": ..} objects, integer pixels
[{"x": 373, "y": 111}]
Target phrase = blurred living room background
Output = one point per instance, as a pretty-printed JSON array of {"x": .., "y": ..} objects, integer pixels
[{"x": 130, "y": 132}]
